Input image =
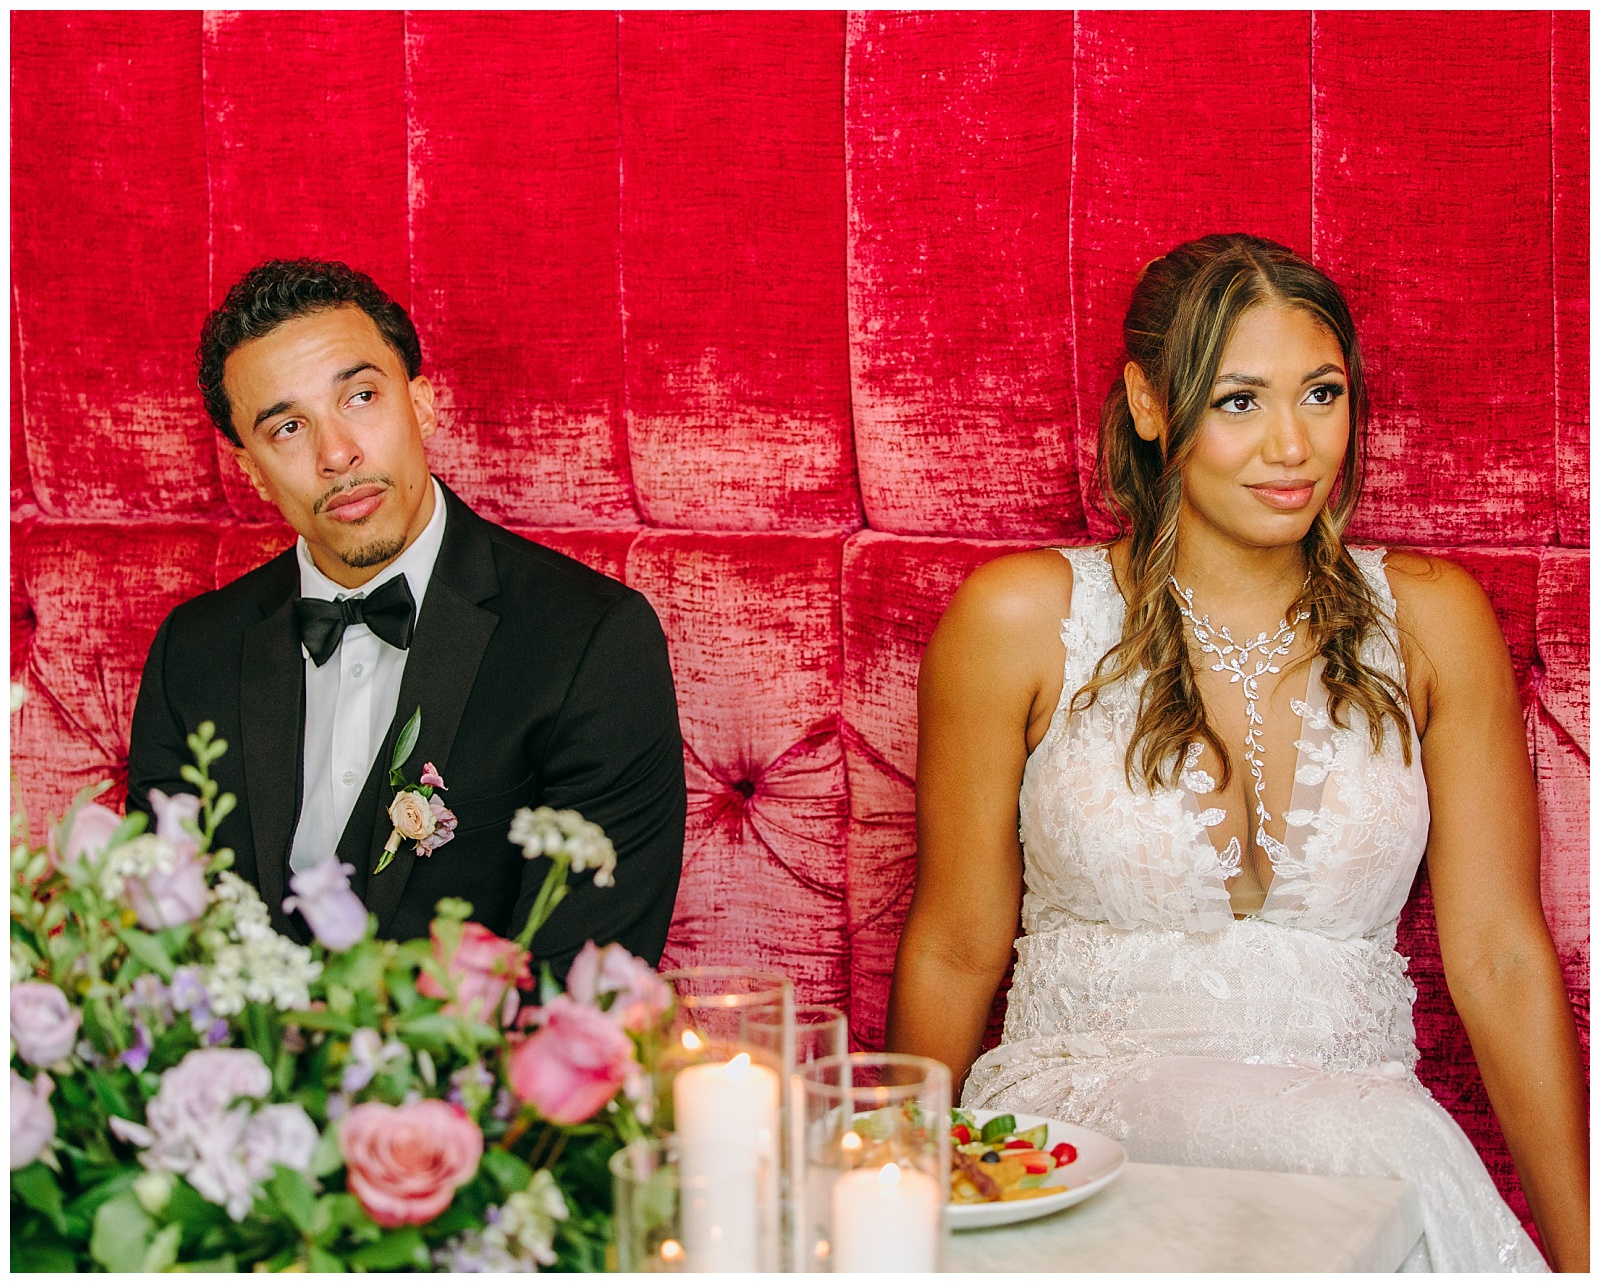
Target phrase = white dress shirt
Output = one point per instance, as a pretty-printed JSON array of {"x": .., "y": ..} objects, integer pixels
[{"x": 350, "y": 700}]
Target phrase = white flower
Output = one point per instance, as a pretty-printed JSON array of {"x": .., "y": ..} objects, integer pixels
[
  {"x": 246, "y": 912},
  {"x": 525, "y": 1226},
  {"x": 555, "y": 833},
  {"x": 19, "y": 696},
  {"x": 136, "y": 859},
  {"x": 223, "y": 1148},
  {"x": 261, "y": 968}
]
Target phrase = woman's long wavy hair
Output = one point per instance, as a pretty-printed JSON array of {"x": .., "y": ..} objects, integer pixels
[{"x": 1185, "y": 307}]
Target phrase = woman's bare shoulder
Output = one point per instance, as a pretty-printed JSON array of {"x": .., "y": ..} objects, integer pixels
[
  {"x": 1442, "y": 611},
  {"x": 1014, "y": 591}
]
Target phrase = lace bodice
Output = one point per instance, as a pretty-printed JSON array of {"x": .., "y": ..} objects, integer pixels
[{"x": 1100, "y": 851}]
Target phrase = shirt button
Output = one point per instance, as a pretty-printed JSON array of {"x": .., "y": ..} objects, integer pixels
[
  {"x": 348, "y": 778},
  {"x": 358, "y": 670}
]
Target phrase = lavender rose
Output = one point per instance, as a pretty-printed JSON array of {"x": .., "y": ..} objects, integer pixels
[
  {"x": 169, "y": 898},
  {"x": 334, "y": 912},
  {"x": 170, "y": 813},
  {"x": 33, "y": 1122},
  {"x": 44, "y": 1025}
]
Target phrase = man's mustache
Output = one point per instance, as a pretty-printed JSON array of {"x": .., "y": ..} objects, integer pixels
[{"x": 371, "y": 479}]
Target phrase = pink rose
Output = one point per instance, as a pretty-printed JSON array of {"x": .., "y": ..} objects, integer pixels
[
  {"x": 44, "y": 1025},
  {"x": 574, "y": 1065},
  {"x": 405, "y": 1164},
  {"x": 641, "y": 996},
  {"x": 170, "y": 812},
  {"x": 173, "y": 898},
  {"x": 485, "y": 968},
  {"x": 92, "y": 828},
  {"x": 334, "y": 912},
  {"x": 33, "y": 1122}
]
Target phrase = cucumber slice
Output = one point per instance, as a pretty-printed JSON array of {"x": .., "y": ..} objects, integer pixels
[
  {"x": 1033, "y": 1180},
  {"x": 998, "y": 1128},
  {"x": 1035, "y": 1136},
  {"x": 964, "y": 1118}
]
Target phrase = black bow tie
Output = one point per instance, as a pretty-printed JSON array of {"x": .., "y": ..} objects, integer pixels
[{"x": 390, "y": 611}]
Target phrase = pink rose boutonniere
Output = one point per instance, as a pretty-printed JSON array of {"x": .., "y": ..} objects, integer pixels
[{"x": 417, "y": 815}]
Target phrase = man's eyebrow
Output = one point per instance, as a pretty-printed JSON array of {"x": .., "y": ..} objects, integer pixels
[
  {"x": 355, "y": 370},
  {"x": 276, "y": 408}
]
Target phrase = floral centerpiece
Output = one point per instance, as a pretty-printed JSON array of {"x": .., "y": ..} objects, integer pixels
[{"x": 192, "y": 1090}]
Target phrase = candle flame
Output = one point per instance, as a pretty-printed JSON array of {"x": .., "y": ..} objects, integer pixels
[
  {"x": 672, "y": 1250},
  {"x": 691, "y": 1040},
  {"x": 739, "y": 1067},
  {"x": 850, "y": 1142},
  {"x": 889, "y": 1174},
  {"x": 822, "y": 1249}
]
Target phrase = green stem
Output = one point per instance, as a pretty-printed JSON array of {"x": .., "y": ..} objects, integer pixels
[{"x": 545, "y": 904}]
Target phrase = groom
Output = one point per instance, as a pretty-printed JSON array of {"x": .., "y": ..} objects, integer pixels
[{"x": 541, "y": 682}]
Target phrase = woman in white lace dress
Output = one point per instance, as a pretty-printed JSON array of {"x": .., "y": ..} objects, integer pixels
[{"x": 1228, "y": 740}]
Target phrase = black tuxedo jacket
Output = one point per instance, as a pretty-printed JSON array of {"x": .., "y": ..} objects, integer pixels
[{"x": 541, "y": 682}]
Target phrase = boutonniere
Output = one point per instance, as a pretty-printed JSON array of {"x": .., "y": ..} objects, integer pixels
[{"x": 416, "y": 813}]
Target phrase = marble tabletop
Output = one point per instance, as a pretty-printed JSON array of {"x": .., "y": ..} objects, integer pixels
[{"x": 1157, "y": 1217}]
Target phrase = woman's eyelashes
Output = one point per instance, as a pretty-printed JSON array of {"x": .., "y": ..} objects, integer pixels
[{"x": 1323, "y": 394}]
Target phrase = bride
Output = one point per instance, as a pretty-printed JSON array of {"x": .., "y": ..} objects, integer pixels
[{"x": 1228, "y": 739}]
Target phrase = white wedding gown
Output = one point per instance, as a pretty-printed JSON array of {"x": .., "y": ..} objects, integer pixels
[{"x": 1280, "y": 1041}]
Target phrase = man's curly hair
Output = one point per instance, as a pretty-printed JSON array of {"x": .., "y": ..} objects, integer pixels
[{"x": 279, "y": 291}]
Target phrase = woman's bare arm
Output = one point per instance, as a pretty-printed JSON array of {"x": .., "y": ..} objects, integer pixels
[
  {"x": 990, "y": 680},
  {"x": 1483, "y": 863}
]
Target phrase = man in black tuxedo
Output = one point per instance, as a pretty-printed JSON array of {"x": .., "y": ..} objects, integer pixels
[{"x": 541, "y": 682}]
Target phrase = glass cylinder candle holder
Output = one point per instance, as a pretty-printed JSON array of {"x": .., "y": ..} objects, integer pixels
[
  {"x": 819, "y": 1031},
  {"x": 645, "y": 1221},
  {"x": 872, "y": 1163},
  {"x": 728, "y": 1055}
]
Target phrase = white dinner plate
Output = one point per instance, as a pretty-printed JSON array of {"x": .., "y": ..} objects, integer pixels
[{"x": 1100, "y": 1161}]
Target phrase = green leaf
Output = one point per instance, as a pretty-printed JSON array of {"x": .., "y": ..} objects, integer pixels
[
  {"x": 998, "y": 1128},
  {"x": 328, "y": 1157},
  {"x": 36, "y": 1186},
  {"x": 335, "y": 1212},
  {"x": 224, "y": 1264},
  {"x": 407, "y": 740},
  {"x": 122, "y": 1233},
  {"x": 324, "y": 1262},
  {"x": 510, "y": 1173},
  {"x": 549, "y": 988},
  {"x": 329, "y": 1020},
  {"x": 395, "y": 1249},
  {"x": 147, "y": 948},
  {"x": 163, "y": 1250},
  {"x": 109, "y": 1095},
  {"x": 293, "y": 1197}
]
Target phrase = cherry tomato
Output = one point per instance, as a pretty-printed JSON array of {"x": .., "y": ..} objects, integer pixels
[
  {"x": 1064, "y": 1154},
  {"x": 1036, "y": 1164},
  {"x": 961, "y": 1134},
  {"x": 1019, "y": 1144}
]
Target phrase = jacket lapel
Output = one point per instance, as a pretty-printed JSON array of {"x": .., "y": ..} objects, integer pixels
[
  {"x": 272, "y": 700},
  {"x": 452, "y": 633}
]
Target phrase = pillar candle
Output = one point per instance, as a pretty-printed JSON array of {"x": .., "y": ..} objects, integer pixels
[
  {"x": 886, "y": 1219},
  {"x": 727, "y": 1125}
]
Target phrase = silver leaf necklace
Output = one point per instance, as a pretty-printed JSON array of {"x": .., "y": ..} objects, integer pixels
[{"x": 1231, "y": 657}]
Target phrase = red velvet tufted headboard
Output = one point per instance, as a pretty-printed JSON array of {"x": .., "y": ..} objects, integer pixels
[{"x": 791, "y": 320}]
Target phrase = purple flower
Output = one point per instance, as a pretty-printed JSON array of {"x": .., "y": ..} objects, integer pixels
[
  {"x": 44, "y": 1025},
  {"x": 172, "y": 898},
  {"x": 138, "y": 1055},
  {"x": 150, "y": 995},
  {"x": 170, "y": 814},
  {"x": 218, "y": 1032},
  {"x": 639, "y": 996},
  {"x": 444, "y": 827},
  {"x": 334, "y": 912},
  {"x": 33, "y": 1122},
  {"x": 430, "y": 776}
]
